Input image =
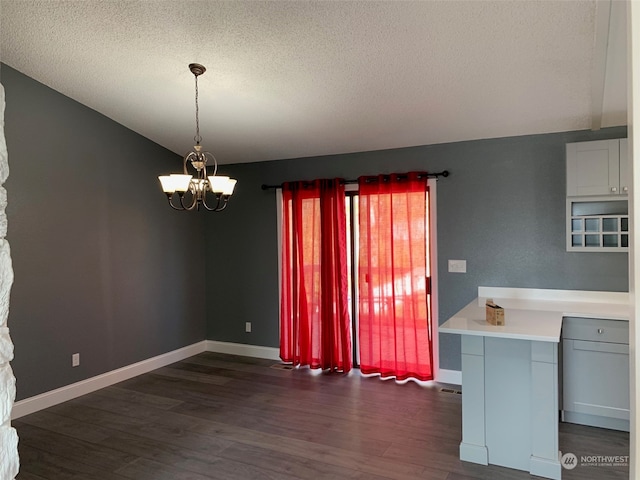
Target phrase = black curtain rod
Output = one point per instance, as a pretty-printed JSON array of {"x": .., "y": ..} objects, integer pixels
[{"x": 444, "y": 173}]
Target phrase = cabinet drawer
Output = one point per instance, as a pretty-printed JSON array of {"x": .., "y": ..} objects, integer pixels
[{"x": 596, "y": 330}]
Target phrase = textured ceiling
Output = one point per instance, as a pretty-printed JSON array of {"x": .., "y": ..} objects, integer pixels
[{"x": 292, "y": 79}]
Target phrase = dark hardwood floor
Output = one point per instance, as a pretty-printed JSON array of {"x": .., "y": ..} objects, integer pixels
[{"x": 228, "y": 417}]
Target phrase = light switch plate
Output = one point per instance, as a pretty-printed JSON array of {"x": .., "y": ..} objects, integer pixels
[{"x": 457, "y": 266}]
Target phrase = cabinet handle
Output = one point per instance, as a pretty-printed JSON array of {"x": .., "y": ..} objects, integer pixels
[
  {"x": 601, "y": 331},
  {"x": 614, "y": 189},
  {"x": 625, "y": 189}
]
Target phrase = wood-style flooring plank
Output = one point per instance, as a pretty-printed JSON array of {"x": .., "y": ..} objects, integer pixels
[
  {"x": 233, "y": 418},
  {"x": 65, "y": 426},
  {"x": 313, "y": 451},
  {"x": 293, "y": 465},
  {"x": 71, "y": 448},
  {"x": 216, "y": 465},
  {"x": 39, "y": 464},
  {"x": 143, "y": 469},
  {"x": 30, "y": 476}
]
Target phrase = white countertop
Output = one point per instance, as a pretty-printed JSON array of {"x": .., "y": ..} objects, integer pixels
[{"x": 535, "y": 314}]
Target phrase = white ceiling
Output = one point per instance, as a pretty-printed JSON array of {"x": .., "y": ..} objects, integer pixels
[{"x": 290, "y": 79}]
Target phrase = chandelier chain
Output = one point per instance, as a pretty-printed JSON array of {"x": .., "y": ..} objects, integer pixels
[{"x": 197, "y": 138}]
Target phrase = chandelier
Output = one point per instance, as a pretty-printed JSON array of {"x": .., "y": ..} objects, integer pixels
[{"x": 194, "y": 191}]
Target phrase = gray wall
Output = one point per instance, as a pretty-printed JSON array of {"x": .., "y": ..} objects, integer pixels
[
  {"x": 502, "y": 209},
  {"x": 102, "y": 266}
]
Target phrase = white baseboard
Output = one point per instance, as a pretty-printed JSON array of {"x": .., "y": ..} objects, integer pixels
[
  {"x": 271, "y": 353},
  {"x": 545, "y": 467},
  {"x": 474, "y": 453},
  {"x": 453, "y": 377},
  {"x": 69, "y": 392}
]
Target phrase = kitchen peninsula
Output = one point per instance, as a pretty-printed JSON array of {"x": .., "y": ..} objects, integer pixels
[{"x": 510, "y": 386}]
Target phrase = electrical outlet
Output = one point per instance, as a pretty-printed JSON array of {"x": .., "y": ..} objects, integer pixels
[
  {"x": 457, "y": 266},
  {"x": 247, "y": 327},
  {"x": 75, "y": 359}
]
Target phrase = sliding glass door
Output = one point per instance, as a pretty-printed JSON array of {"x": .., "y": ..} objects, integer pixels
[
  {"x": 388, "y": 246},
  {"x": 394, "y": 315}
]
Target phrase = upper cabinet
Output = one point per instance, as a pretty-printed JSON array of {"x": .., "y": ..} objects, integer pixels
[
  {"x": 598, "y": 168},
  {"x": 597, "y": 196}
]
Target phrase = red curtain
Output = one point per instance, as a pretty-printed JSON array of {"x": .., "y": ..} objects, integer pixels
[
  {"x": 314, "y": 316},
  {"x": 394, "y": 310}
]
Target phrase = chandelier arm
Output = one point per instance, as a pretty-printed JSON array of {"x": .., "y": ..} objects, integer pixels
[
  {"x": 210, "y": 156},
  {"x": 211, "y": 209},
  {"x": 204, "y": 204},
  {"x": 218, "y": 207},
  {"x": 169, "y": 196},
  {"x": 190, "y": 207},
  {"x": 224, "y": 205},
  {"x": 215, "y": 164},
  {"x": 185, "y": 161}
]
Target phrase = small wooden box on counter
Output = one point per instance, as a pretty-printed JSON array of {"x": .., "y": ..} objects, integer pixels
[{"x": 495, "y": 313}]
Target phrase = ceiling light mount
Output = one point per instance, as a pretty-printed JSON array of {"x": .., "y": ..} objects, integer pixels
[
  {"x": 192, "y": 190},
  {"x": 197, "y": 69}
]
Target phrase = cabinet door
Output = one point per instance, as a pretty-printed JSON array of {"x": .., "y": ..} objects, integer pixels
[
  {"x": 593, "y": 168},
  {"x": 596, "y": 378},
  {"x": 625, "y": 161}
]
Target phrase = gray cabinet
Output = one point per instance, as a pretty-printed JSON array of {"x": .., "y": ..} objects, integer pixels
[
  {"x": 595, "y": 371},
  {"x": 597, "y": 193},
  {"x": 597, "y": 168}
]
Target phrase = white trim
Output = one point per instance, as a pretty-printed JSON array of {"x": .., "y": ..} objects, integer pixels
[
  {"x": 599, "y": 65},
  {"x": 279, "y": 213},
  {"x": 256, "y": 351},
  {"x": 75, "y": 390},
  {"x": 433, "y": 264},
  {"x": 542, "y": 467},
  {"x": 69, "y": 392},
  {"x": 454, "y": 377},
  {"x": 633, "y": 121},
  {"x": 474, "y": 453},
  {"x": 554, "y": 295}
]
